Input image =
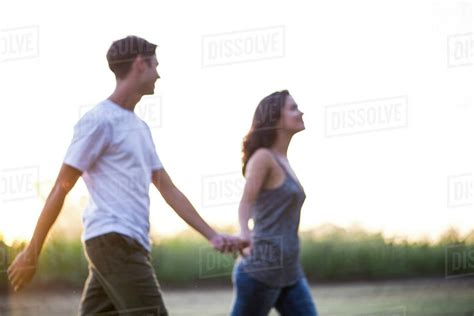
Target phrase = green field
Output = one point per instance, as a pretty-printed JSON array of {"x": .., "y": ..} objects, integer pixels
[{"x": 332, "y": 255}]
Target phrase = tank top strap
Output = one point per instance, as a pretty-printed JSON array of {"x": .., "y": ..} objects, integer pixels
[{"x": 279, "y": 162}]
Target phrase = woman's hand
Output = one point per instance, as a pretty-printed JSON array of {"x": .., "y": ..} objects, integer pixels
[{"x": 246, "y": 237}]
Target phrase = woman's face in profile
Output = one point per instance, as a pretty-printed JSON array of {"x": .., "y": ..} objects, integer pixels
[{"x": 291, "y": 117}]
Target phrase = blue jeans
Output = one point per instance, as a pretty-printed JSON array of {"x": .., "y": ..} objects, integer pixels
[{"x": 255, "y": 298}]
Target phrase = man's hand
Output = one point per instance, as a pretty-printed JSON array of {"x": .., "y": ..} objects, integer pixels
[
  {"x": 22, "y": 269},
  {"x": 226, "y": 243}
]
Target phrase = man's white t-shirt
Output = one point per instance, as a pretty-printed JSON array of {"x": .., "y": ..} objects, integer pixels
[{"x": 114, "y": 149}]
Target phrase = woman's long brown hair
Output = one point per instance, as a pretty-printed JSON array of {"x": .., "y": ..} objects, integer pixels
[{"x": 264, "y": 125}]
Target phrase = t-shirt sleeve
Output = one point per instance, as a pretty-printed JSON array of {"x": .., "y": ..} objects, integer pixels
[
  {"x": 155, "y": 160},
  {"x": 91, "y": 138}
]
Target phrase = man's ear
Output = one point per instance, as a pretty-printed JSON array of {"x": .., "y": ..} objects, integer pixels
[{"x": 139, "y": 63}]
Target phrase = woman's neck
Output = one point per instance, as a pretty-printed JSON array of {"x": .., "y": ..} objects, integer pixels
[{"x": 281, "y": 144}]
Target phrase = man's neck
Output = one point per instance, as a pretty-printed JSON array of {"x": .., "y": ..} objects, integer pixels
[{"x": 125, "y": 97}]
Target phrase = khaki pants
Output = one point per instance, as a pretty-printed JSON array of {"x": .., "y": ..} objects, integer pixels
[{"x": 121, "y": 279}]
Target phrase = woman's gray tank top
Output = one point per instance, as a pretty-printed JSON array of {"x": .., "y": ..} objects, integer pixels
[{"x": 275, "y": 244}]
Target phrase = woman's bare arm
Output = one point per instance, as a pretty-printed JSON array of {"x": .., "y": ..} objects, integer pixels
[{"x": 257, "y": 170}]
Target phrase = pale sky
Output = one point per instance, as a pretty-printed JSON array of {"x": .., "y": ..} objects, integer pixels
[{"x": 386, "y": 88}]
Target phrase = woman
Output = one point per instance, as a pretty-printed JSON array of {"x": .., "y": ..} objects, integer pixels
[{"x": 269, "y": 274}]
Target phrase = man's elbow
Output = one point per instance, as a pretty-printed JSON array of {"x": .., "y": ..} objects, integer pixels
[
  {"x": 61, "y": 189},
  {"x": 169, "y": 193}
]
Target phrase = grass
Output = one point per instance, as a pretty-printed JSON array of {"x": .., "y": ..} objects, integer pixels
[{"x": 335, "y": 255}]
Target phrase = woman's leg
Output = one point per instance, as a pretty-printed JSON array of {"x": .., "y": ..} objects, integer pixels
[
  {"x": 251, "y": 297},
  {"x": 296, "y": 300}
]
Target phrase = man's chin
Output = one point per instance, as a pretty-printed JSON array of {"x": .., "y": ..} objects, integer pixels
[
  {"x": 301, "y": 129},
  {"x": 150, "y": 92}
]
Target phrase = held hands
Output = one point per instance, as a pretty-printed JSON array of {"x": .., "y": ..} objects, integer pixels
[
  {"x": 22, "y": 269},
  {"x": 227, "y": 243}
]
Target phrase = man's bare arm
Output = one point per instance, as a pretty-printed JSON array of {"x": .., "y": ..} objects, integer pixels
[
  {"x": 180, "y": 204},
  {"x": 188, "y": 213},
  {"x": 22, "y": 269}
]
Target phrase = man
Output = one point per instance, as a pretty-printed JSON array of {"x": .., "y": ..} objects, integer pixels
[{"x": 112, "y": 149}]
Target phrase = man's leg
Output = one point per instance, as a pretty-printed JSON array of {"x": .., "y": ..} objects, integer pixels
[
  {"x": 94, "y": 299},
  {"x": 123, "y": 269}
]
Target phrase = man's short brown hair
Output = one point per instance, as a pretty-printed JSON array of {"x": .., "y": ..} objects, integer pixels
[{"x": 123, "y": 52}]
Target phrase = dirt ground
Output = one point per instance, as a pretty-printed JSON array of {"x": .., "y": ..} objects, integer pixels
[{"x": 396, "y": 298}]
